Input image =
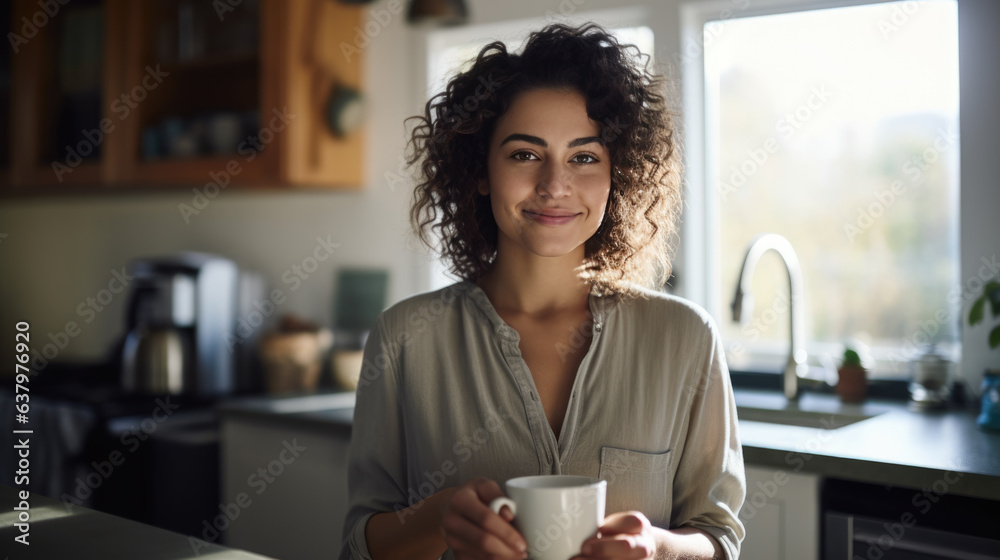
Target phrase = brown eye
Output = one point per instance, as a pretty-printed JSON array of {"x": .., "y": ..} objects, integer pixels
[
  {"x": 588, "y": 158},
  {"x": 523, "y": 156}
]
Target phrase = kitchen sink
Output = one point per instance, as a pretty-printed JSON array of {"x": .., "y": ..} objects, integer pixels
[{"x": 803, "y": 418}]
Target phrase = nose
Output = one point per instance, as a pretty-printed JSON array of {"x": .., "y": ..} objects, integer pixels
[{"x": 554, "y": 181}]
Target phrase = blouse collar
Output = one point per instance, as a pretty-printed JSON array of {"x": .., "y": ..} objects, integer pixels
[{"x": 600, "y": 307}]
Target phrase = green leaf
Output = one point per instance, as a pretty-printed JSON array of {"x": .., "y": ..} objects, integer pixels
[
  {"x": 995, "y": 337},
  {"x": 976, "y": 313},
  {"x": 851, "y": 358},
  {"x": 992, "y": 293}
]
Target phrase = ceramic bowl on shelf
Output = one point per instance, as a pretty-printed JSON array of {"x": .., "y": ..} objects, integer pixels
[
  {"x": 293, "y": 360},
  {"x": 346, "y": 366},
  {"x": 225, "y": 131}
]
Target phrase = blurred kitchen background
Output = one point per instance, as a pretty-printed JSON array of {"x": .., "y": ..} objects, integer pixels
[{"x": 209, "y": 200}]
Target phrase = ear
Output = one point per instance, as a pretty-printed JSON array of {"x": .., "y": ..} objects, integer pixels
[{"x": 483, "y": 186}]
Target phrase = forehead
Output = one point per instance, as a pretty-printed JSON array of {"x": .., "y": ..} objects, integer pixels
[{"x": 547, "y": 113}]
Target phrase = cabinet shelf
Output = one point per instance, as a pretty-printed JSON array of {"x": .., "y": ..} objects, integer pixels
[
  {"x": 294, "y": 69},
  {"x": 213, "y": 62},
  {"x": 201, "y": 170}
]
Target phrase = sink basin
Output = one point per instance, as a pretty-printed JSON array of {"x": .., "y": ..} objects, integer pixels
[{"x": 803, "y": 418}]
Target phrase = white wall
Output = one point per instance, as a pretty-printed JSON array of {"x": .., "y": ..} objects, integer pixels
[
  {"x": 60, "y": 251},
  {"x": 979, "y": 44}
]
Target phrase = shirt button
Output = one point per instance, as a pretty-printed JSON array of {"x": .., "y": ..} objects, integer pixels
[{"x": 597, "y": 327}]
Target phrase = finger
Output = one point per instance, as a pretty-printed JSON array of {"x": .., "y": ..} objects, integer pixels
[
  {"x": 506, "y": 513},
  {"x": 484, "y": 517},
  {"x": 618, "y": 546},
  {"x": 486, "y": 489},
  {"x": 626, "y": 522},
  {"x": 465, "y": 536},
  {"x": 471, "y": 506}
]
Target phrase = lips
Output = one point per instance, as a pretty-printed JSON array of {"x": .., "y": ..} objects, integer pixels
[{"x": 551, "y": 217}]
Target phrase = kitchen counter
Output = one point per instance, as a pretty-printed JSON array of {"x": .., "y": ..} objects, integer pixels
[
  {"x": 327, "y": 411},
  {"x": 57, "y": 531},
  {"x": 896, "y": 446}
]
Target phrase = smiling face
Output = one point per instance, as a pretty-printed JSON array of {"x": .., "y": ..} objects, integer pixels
[{"x": 549, "y": 174}]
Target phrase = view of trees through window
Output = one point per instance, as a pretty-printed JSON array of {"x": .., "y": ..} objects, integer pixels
[{"x": 837, "y": 129}]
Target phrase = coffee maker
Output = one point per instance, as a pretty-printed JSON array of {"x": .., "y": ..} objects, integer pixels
[{"x": 181, "y": 322}]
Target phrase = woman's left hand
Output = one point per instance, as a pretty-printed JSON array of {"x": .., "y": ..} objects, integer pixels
[{"x": 626, "y": 534}]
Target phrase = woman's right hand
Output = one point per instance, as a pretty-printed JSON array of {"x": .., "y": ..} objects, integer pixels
[{"x": 472, "y": 530}]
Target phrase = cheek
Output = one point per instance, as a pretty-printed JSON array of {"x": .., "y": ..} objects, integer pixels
[
  {"x": 594, "y": 179},
  {"x": 502, "y": 201},
  {"x": 511, "y": 186},
  {"x": 596, "y": 195}
]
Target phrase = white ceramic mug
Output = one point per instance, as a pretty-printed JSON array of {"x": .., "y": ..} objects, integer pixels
[{"x": 554, "y": 513}]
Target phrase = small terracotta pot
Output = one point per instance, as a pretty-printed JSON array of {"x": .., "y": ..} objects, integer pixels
[{"x": 852, "y": 385}]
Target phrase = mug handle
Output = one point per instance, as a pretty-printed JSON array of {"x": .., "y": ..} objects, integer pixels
[{"x": 501, "y": 501}]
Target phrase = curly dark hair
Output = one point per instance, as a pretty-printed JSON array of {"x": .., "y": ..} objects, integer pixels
[{"x": 629, "y": 101}]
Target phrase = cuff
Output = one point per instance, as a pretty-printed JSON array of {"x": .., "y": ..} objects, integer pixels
[
  {"x": 356, "y": 546},
  {"x": 730, "y": 546}
]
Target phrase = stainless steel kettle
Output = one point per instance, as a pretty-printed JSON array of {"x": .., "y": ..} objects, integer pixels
[
  {"x": 157, "y": 361},
  {"x": 158, "y": 351}
]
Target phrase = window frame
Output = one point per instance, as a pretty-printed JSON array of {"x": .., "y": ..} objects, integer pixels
[{"x": 700, "y": 261}]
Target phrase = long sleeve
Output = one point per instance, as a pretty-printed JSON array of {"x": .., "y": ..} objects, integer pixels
[
  {"x": 376, "y": 475},
  {"x": 437, "y": 363},
  {"x": 710, "y": 483}
]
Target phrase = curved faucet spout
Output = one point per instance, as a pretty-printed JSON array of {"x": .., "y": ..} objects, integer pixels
[{"x": 742, "y": 305}]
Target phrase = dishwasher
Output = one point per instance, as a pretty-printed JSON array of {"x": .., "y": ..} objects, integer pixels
[{"x": 873, "y": 522}]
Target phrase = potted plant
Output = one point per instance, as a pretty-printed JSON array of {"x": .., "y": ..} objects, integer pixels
[
  {"x": 989, "y": 417},
  {"x": 991, "y": 294},
  {"x": 852, "y": 383}
]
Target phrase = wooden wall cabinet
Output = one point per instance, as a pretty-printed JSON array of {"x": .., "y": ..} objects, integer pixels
[
  {"x": 61, "y": 67},
  {"x": 183, "y": 93}
]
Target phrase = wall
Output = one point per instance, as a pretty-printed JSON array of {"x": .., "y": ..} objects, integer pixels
[
  {"x": 59, "y": 252},
  {"x": 980, "y": 198}
]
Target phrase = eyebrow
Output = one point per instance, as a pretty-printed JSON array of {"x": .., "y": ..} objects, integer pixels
[{"x": 538, "y": 141}]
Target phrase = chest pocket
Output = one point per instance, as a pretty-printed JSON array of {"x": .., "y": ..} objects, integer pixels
[{"x": 638, "y": 480}]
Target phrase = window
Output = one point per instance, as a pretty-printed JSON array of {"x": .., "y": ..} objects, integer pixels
[
  {"x": 838, "y": 129},
  {"x": 451, "y": 50}
]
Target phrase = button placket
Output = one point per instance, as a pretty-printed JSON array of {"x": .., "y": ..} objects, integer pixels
[
  {"x": 597, "y": 310},
  {"x": 538, "y": 423},
  {"x": 536, "y": 414}
]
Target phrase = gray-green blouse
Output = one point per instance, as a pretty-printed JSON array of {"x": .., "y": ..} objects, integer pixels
[{"x": 445, "y": 396}]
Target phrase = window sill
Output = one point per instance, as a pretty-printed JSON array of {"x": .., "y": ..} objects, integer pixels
[{"x": 889, "y": 389}]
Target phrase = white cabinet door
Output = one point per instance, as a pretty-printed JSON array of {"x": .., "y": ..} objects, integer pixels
[
  {"x": 295, "y": 480},
  {"x": 781, "y": 515}
]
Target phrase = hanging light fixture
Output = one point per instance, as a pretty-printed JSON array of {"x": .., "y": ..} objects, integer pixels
[{"x": 439, "y": 12}]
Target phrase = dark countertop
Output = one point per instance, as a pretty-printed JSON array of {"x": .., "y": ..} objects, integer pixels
[
  {"x": 896, "y": 446},
  {"x": 325, "y": 411},
  {"x": 60, "y": 531}
]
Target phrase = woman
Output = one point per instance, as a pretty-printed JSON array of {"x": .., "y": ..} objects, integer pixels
[{"x": 554, "y": 180}]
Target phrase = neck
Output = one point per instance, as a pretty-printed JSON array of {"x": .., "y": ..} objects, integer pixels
[{"x": 520, "y": 282}]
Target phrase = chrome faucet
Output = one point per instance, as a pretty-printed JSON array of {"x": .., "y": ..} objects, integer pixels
[{"x": 796, "y": 368}]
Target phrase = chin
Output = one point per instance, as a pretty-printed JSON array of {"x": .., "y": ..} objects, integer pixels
[{"x": 551, "y": 249}]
